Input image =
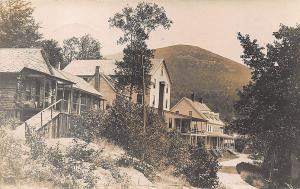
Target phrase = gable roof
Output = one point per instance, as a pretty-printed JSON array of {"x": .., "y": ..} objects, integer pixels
[
  {"x": 201, "y": 108},
  {"x": 14, "y": 60},
  {"x": 87, "y": 67},
  {"x": 80, "y": 83},
  {"x": 107, "y": 67}
]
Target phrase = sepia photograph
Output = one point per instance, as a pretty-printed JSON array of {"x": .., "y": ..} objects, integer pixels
[{"x": 149, "y": 94}]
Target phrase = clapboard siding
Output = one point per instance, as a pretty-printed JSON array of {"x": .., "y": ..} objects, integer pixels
[{"x": 8, "y": 90}]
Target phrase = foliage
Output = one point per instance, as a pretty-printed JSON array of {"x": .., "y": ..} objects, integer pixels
[
  {"x": 202, "y": 169},
  {"x": 10, "y": 162},
  {"x": 88, "y": 125},
  {"x": 137, "y": 24},
  {"x": 124, "y": 126},
  {"x": 178, "y": 152},
  {"x": 139, "y": 165},
  {"x": 65, "y": 169},
  {"x": 269, "y": 106},
  {"x": 53, "y": 51},
  {"x": 18, "y": 29},
  {"x": 240, "y": 143},
  {"x": 82, "y": 48}
]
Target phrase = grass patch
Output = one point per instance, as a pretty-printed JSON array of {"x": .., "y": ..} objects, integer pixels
[{"x": 251, "y": 174}]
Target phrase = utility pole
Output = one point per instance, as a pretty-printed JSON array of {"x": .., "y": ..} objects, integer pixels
[
  {"x": 144, "y": 111},
  {"x": 144, "y": 106}
]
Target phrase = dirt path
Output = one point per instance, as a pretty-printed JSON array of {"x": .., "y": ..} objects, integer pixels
[{"x": 233, "y": 180}]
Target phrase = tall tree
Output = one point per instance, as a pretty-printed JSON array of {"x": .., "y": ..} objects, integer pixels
[
  {"x": 269, "y": 106},
  {"x": 17, "y": 25},
  {"x": 137, "y": 24},
  {"x": 53, "y": 51},
  {"x": 82, "y": 48}
]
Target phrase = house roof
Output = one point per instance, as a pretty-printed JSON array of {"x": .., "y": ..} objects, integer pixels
[
  {"x": 87, "y": 67},
  {"x": 14, "y": 60},
  {"x": 107, "y": 67},
  {"x": 205, "y": 112},
  {"x": 80, "y": 83},
  {"x": 182, "y": 116}
]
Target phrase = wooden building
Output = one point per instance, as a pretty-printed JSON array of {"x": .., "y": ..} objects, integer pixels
[
  {"x": 27, "y": 82},
  {"x": 204, "y": 125},
  {"x": 38, "y": 95}
]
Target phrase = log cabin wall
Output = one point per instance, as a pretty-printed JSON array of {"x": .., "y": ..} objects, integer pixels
[{"x": 8, "y": 95}]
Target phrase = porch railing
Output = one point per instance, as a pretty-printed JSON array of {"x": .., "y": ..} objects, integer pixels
[
  {"x": 47, "y": 118},
  {"x": 54, "y": 121}
]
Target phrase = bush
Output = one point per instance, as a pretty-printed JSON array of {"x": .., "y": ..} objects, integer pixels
[
  {"x": 88, "y": 125},
  {"x": 146, "y": 169},
  {"x": 202, "y": 169},
  {"x": 178, "y": 152},
  {"x": 123, "y": 125},
  {"x": 240, "y": 143},
  {"x": 68, "y": 170},
  {"x": 11, "y": 157}
]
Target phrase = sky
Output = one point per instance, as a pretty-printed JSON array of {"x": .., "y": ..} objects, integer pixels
[{"x": 209, "y": 24}]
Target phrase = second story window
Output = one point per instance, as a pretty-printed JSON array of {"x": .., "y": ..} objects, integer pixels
[
  {"x": 162, "y": 71},
  {"x": 167, "y": 89},
  {"x": 154, "y": 83},
  {"x": 177, "y": 112},
  {"x": 190, "y": 113},
  {"x": 166, "y": 103}
]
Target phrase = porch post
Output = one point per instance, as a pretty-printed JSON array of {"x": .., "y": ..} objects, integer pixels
[
  {"x": 44, "y": 91},
  {"x": 55, "y": 97},
  {"x": 79, "y": 103},
  {"x": 180, "y": 124},
  {"x": 71, "y": 99},
  {"x": 63, "y": 98}
]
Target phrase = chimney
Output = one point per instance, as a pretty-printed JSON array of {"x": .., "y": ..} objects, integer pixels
[
  {"x": 201, "y": 100},
  {"x": 193, "y": 97},
  {"x": 97, "y": 78}
]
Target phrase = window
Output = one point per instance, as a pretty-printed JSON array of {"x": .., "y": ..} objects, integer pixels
[
  {"x": 190, "y": 113},
  {"x": 177, "y": 112},
  {"x": 162, "y": 71},
  {"x": 154, "y": 83},
  {"x": 167, "y": 89},
  {"x": 170, "y": 123},
  {"x": 166, "y": 103},
  {"x": 139, "y": 98},
  {"x": 153, "y": 103}
]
